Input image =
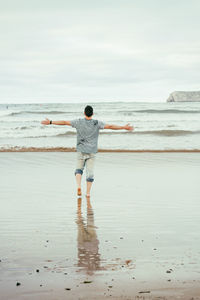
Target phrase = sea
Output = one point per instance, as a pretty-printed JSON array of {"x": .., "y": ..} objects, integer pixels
[{"x": 157, "y": 126}]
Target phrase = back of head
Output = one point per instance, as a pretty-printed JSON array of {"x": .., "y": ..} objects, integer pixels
[{"x": 88, "y": 111}]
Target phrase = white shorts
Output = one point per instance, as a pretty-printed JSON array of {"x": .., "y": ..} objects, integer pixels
[{"x": 85, "y": 159}]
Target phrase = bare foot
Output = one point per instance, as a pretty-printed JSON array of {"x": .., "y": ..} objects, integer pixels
[{"x": 79, "y": 192}]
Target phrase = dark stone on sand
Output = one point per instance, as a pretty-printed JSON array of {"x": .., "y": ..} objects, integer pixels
[
  {"x": 154, "y": 249},
  {"x": 143, "y": 292},
  {"x": 110, "y": 286},
  {"x": 133, "y": 277},
  {"x": 37, "y": 270},
  {"x": 67, "y": 289},
  {"x": 40, "y": 284},
  {"x": 169, "y": 280},
  {"x": 121, "y": 238},
  {"x": 87, "y": 281},
  {"x": 45, "y": 267},
  {"x": 18, "y": 283},
  {"x": 65, "y": 273},
  {"x": 47, "y": 241},
  {"x": 168, "y": 271}
]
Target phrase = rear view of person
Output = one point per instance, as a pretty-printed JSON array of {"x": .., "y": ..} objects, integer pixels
[{"x": 87, "y": 144}]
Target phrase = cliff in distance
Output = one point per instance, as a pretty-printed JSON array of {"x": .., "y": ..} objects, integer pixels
[{"x": 181, "y": 96}]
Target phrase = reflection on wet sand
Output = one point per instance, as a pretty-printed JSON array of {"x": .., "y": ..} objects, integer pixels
[{"x": 87, "y": 241}]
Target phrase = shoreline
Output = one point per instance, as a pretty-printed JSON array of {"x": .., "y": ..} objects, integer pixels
[{"x": 66, "y": 149}]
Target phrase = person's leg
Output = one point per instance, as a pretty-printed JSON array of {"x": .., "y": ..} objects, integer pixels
[
  {"x": 79, "y": 171},
  {"x": 90, "y": 172},
  {"x": 78, "y": 180},
  {"x": 89, "y": 185}
]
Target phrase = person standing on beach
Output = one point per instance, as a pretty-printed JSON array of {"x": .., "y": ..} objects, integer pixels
[{"x": 87, "y": 139}]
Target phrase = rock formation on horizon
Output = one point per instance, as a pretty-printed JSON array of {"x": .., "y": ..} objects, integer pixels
[{"x": 181, "y": 96}]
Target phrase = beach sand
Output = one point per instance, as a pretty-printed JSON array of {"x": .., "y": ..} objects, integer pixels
[{"x": 137, "y": 238}]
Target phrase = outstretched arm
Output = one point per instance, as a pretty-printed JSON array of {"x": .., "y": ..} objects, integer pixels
[
  {"x": 116, "y": 127},
  {"x": 47, "y": 122}
]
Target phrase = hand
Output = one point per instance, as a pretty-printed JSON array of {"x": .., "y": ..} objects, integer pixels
[
  {"x": 45, "y": 122},
  {"x": 128, "y": 127}
]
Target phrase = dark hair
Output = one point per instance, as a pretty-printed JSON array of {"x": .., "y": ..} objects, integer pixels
[{"x": 88, "y": 111}]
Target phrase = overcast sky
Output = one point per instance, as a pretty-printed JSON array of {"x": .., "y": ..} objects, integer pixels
[{"x": 94, "y": 50}]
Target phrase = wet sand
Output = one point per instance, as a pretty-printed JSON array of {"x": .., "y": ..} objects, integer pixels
[
  {"x": 67, "y": 149},
  {"x": 137, "y": 238}
]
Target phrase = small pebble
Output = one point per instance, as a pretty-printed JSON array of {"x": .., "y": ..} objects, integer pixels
[
  {"x": 18, "y": 283},
  {"x": 67, "y": 289},
  {"x": 86, "y": 281},
  {"x": 37, "y": 271}
]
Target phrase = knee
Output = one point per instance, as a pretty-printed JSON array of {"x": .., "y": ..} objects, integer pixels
[
  {"x": 90, "y": 179},
  {"x": 78, "y": 171}
]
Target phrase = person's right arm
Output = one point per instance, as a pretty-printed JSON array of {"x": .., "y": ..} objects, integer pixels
[
  {"x": 47, "y": 122},
  {"x": 116, "y": 127}
]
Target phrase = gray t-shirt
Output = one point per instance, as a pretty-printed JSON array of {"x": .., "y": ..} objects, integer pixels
[{"x": 87, "y": 134}]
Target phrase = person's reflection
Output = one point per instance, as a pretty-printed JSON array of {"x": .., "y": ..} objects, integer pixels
[{"x": 88, "y": 244}]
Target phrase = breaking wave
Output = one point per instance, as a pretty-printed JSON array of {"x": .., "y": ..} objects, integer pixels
[
  {"x": 160, "y": 111},
  {"x": 164, "y": 133}
]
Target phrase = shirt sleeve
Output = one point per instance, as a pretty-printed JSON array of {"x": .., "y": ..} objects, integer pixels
[
  {"x": 74, "y": 123},
  {"x": 101, "y": 124}
]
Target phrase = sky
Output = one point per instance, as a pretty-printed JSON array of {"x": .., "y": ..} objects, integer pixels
[{"x": 98, "y": 50}]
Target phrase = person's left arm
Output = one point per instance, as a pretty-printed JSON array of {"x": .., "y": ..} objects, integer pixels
[{"x": 62, "y": 122}]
